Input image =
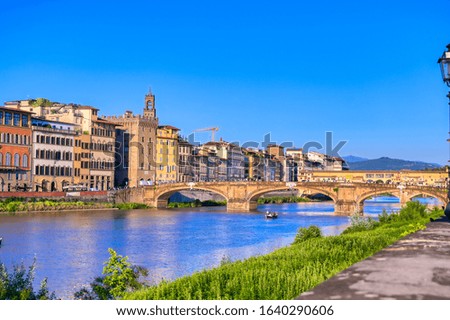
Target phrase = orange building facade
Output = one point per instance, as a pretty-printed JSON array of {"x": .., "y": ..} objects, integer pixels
[{"x": 15, "y": 149}]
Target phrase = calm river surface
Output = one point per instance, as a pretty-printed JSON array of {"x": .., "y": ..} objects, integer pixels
[{"x": 71, "y": 247}]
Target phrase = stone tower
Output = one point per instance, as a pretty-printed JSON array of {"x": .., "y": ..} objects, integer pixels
[
  {"x": 137, "y": 165},
  {"x": 149, "y": 109}
]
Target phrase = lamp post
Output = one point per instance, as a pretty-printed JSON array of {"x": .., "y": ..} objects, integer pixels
[{"x": 444, "y": 63}]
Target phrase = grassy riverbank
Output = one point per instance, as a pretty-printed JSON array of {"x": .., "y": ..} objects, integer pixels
[
  {"x": 289, "y": 271},
  {"x": 18, "y": 205},
  {"x": 197, "y": 203}
]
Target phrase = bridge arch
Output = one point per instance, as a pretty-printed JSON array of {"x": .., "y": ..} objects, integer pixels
[
  {"x": 441, "y": 198},
  {"x": 405, "y": 196},
  {"x": 163, "y": 195},
  {"x": 367, "y": 195},
  {"x": 254, "y": 196}
]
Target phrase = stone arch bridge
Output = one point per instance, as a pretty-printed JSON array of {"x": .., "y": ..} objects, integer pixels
[{"x": 348, "y": 198}]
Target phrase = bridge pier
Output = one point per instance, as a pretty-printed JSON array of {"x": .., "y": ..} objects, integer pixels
[
  {"x": 346, "y": 203},
  {"x": 347, "y": 208},
  {"x": 161, "y": 203},
  {"x": 404, "y": 199},
  {"x": 241, "y": 205}
]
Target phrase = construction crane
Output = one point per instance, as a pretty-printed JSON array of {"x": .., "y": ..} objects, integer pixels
[{"x": 212, "y": 129}]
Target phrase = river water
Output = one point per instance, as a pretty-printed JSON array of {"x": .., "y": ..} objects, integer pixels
[{"x": 71, "y": 247}]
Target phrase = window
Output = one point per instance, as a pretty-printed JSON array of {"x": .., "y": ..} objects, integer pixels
[
  {"x": 24, "y": 120},
  {"x": 16, "y": 119},
  {"x": 25, "y": 161},
  {"x": 1, "y": 117},
  {"x": 8, "y": 118},
  {"x": 8, "y": 159},
  {"x": 1, "y": 159},
  {"x": 16, "y": 160}
]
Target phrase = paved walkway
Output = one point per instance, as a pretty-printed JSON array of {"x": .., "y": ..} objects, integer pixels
[{"x": 416, "y": 267}]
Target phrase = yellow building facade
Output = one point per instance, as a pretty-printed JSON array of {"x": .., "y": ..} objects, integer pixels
[
  {"x": 406, "y": 177},
  {"x": 167, "y": 154}
]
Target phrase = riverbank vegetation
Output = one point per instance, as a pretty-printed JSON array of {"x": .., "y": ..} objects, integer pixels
[
  {"x": 13, "y": 205},
  {"x": 197, "y": 203},
  {"x": 279, "y": 200},
  {"x": 289, "y": 271},
  {"x": 118, "y": 277},
  {"x": 18, "y": 285},
  {"x": 130, "y": 206}
]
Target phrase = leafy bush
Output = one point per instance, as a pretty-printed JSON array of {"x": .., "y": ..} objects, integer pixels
[
  {"x": 360, "y": 223},
  {"x": 384, "y": 216},
  {"x": 119, "y": 276},
  {"x": 304, "y": 234},
  {"x": 19, "y": 284},
  {"x": 411, "y": 211}
]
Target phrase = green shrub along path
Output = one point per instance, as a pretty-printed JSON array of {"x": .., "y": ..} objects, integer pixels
[{"x": 289, "y": 271}]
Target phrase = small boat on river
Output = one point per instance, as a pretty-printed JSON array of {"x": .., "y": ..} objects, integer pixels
[{"x": 271, "y": 215}]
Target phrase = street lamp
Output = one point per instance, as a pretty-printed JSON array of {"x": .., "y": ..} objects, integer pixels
[{"x": 444, "y": 62}]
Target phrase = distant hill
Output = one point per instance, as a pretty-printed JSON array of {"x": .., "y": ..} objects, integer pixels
[
  {"x": 351, "y": 159},
  {"x": 386, "y": 163}
]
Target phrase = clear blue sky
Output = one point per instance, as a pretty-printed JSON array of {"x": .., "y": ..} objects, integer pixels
[{"x": 365, "y": 70}]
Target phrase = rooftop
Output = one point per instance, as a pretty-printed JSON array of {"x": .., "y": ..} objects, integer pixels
[
  {"x": 15, "y": 110},
  {"x": 168, "y": 127}
]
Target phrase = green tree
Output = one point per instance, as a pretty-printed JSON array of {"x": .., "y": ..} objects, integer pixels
[
  {"x": 42, "y": 102},
  {"x": 119, "y": 277},
  {"x": 18, "y": 285}
]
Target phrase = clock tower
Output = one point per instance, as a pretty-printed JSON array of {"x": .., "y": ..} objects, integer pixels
[{"x": 149, "y": 109}]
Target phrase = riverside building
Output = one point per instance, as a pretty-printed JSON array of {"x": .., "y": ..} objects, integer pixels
[
  {"x": 167, "y": 154},
  {"x": 94, "y": 157},
  {"x": 53, "y": 154},
  {"x": 15, "y": 149}
]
